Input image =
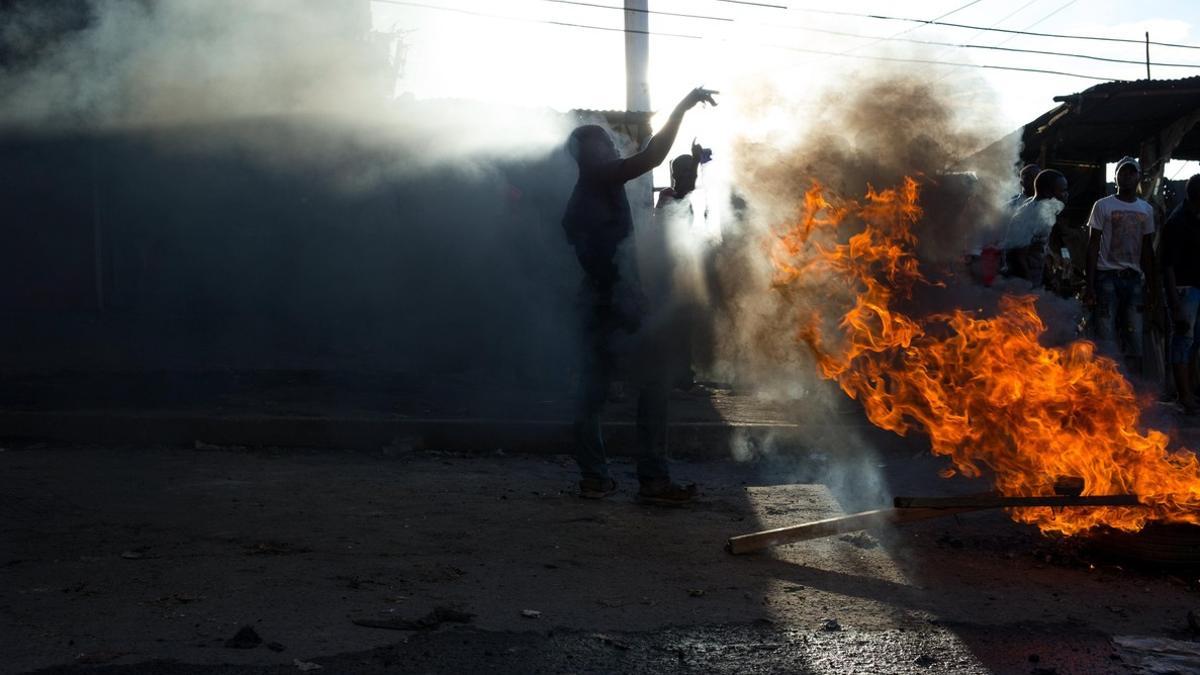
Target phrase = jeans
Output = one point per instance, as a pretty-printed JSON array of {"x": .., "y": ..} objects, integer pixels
[
  {"x": 600, "y": 333},
  {"x": 1118, "y": 312},
  {"x": 1184, "y": 345}
]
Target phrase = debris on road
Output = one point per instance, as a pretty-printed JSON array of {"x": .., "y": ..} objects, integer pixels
[
  {"x": 860, "y": 540},
  {"x": 1158, "y": 655},
  {"x": 530, "y": 613},
  {"x": 830, "y": 625},
  {"x": 305, "y": 666},
  {"x": 99, "y": 657},
  {"x": 245, "y": 638},
  {"x": 430, "y": 621},
  {"x": 611, "y": 641}
]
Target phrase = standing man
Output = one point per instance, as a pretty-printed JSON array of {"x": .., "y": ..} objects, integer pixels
[
  {"x": 1120, "y": 263},
  {"x": 1032, "y": 224},
  {"x": 598, "y": 223},
  {"x": 1181, "y": 276}
]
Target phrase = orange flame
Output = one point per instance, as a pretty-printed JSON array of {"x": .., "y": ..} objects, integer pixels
[{"x": 983, "y": 389}]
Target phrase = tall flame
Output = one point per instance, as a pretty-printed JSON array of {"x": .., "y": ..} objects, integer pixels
[{"x": 984, "y": 390}]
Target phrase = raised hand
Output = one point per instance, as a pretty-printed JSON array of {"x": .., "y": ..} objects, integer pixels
[{"x": 698, "y": 95}]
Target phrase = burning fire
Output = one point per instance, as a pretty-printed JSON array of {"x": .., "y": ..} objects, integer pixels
[{"x": 983, "y": 389}]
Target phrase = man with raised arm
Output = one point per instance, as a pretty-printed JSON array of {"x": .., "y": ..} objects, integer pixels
[{"x": 599, "y": 224}]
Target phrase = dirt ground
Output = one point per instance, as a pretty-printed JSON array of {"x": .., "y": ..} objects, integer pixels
[{"x": 151, "y": 559}]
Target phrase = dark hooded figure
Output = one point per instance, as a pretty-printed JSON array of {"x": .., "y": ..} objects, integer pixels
[{"x": 598, "y": 223}]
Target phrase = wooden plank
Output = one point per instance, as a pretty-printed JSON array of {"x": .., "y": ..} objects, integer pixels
[
  {"x": 999, "y": 502},
  {"x": 756, "y": 541}
]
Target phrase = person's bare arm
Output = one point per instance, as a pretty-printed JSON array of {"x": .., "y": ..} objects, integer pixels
[{"x": 658, "y": 147}]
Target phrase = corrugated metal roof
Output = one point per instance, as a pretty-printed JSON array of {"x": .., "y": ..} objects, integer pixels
[{"x": 1110, "y": 120}]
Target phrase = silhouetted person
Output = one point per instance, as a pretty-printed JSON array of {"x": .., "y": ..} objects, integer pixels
[
  {"x": 1120, "y": 262},
  {"x": 599, "y": 224},
  {"x": 683, "y": 180},
  {"x": 1028, "y": 176},
  {"x": 1181, "y": 276},
  {"x": 679, "y": 318},
  {"x": 1032, "y": 225}
]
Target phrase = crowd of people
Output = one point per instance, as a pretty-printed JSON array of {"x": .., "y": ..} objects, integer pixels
[{"x": 1139, "y": 277}]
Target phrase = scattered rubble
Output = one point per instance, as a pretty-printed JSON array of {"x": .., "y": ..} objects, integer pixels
[
  {"x": 611, "y": 641},
  {"x": 245, "y": 638},
  {"x": 1158, "y": 655},
  {"x": 435, "y": 618},
  {"x": 99, "y": 657},
  {"x": 861, "y": 540}
]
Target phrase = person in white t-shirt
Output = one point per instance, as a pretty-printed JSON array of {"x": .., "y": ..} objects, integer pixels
[{"x": 1120, "y": 263}]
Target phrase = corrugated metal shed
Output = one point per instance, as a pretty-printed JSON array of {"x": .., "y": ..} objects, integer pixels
[{"x": 1114, "y": 119}]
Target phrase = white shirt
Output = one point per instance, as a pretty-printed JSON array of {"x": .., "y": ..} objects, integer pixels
[{"x": 1121, "y": 226}]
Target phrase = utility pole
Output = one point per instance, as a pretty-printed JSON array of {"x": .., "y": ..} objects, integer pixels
[
  {"x": 1147, "y": 55},
  {"x": 637, "y": 56}
]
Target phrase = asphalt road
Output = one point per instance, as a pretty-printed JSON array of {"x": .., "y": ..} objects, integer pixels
[{"x": 151, "y": 559}]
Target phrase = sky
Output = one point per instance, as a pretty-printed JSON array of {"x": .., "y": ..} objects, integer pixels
[{"x": 513, "y": 55}]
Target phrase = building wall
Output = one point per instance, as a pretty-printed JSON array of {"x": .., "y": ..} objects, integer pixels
[{"x": 183, "y": 250}]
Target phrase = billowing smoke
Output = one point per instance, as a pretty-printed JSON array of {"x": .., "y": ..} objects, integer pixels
[
  {"x": 882, "y": 125},
  {"x": 121, "y": 64},
  {"x": 257, "y": 198},
  {"x": 874, "y": 129}
]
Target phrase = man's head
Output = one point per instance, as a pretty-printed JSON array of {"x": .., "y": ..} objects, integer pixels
[
  {"x": 1050, "y": 184},
  {"x": 1128, "y": 174},
  {"x": 1192, "y": 192},
  {"x": 1028, "y": 174},
  {"x": 590, "y": 144},
  {"x": 683, "y": 175}
]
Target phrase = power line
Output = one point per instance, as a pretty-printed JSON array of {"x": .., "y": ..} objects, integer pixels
[
  {"x": 912, "y": 28},
  {"x": 753, "y": 4},
  {"x": 993, "y": 48},
  {"x": 948, "y": 63},
  {"x": 956, "y": 10},
  {"x": 1011, "y": 14},
  {"x": 896, "y": 38},
  {"x": 1010, "y": 38},
  {"x": 410, "y": 3},
  {"x": 832, "y": 12},
  {"x": 1044, "y": 18},
  {"x": 456, "y": 10},
  {"x": 641, "y": 11}
]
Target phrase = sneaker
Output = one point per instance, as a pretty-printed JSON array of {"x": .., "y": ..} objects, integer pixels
[
  {"x": 596, "y": 488},
  {"x": 662, "y": 492}
]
